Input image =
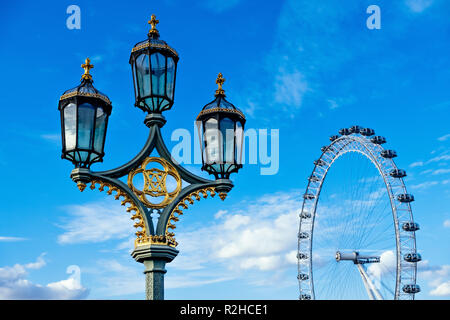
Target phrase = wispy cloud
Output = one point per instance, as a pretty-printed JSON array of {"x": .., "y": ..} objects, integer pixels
[
  {"x": 52, "y": 137},
  {"x": 418, "y": 6},
  {"x": 12, "y": 239},
  {"x": 416, "y": 164},
  {"x": 444, "y": 137},
  {"x": 95, "y": 222},
  {"x": 447, "y": 223},
  {"x": 440, "y": 171},
  {"x": 290, "y": 87},
  {"x": 424, "y": 185}
]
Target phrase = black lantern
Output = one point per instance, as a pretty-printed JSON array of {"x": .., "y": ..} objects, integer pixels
[
  {"x": 154, "y": 66},
  {"x": 84, "y": 119},
  {"x": 221, "y": 126}
]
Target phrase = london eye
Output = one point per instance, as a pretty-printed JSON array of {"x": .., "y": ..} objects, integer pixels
[{"x": 357, "y": 235}]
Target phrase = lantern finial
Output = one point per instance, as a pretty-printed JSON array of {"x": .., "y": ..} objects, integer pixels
[
  {"x": 220, "y": 80},
  {"x": 87, "y": 66},
  {"x": 153, "y": 22}
]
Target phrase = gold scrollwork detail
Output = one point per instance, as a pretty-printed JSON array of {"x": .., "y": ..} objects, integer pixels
[
  {"x": 155, "y": 184},
  {"x": 183, "y": 205}
]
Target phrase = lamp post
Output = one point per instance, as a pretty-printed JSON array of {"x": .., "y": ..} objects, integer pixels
[{"x": 84, "y": 119}]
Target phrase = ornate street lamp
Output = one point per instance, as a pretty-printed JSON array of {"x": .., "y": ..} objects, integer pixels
[
  {"x": 84, "y": 116},
  {"x": 154, "y": 66},
  {"x": 220, "y": 125}
]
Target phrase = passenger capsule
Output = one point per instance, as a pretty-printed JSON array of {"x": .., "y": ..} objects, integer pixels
[
  {"x": 378, "y": 140},
  {"x": 305, "y": 215},
  {"x": 302, "y": 256},
  {"x": 412, "y": 257},
  {"x": 355, "y": 129},
  {"x": 313, "y": 178},
  {"x": 405, "y": 198},
  {"x": 308, "y": 196},
  {"x": 305, "y": 297},
  {"x": 303, "y": 235},
  {"x": 319, "y": 163},
  {"x": 302, "y": 276},
  {"x": 388, "y": 154},
  {"x": 397, "y": 173},
  {"x": 367, "y": 132},
  {"x": 324, "y": 148},
  {"x": 410, "y": 226},
  {"x": 411, "y": 288},
  {"x": 344, "y": 132},
  {"x": 332, "y": 138}
]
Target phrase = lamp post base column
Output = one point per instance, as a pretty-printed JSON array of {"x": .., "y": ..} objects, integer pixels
[
  {"x": 154, "y": 279},
  {"x": 154, "y": 258}
]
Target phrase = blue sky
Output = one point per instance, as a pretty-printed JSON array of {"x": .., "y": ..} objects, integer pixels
[{"x": 307, "y": 68}]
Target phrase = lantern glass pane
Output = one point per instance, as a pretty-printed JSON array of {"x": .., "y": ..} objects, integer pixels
[
  {"x": 158, "y": 64},
  {"x": 212, "y": 153},
  {"x": 86, "y": 113},
  {"x": 83, "y": 156},
  {"x": 133, "y": 69},
  {"x": 170, "y": 78},
  {"x": 70, "y": 126},
  {"x": 100, "y": 126},
  {"x": 143, "y": 75},
  {"x": 239, "y": 142},
  {"x": 227, "y": 133},
  {"x": 200, "y": 136}
]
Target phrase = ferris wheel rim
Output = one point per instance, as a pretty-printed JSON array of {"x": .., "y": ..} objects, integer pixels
[{"x": 372, "y": 150}]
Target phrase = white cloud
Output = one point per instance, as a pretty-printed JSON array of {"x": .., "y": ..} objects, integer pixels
[
  {"x": 388, "y": 263},
  {"x": 53, "y": 137},
  {"x": 247, "y": 243},
  {"x": 447, "y": 223},
  {"x": 290, "y": 87},
  {"x": 416, "y": 164},
  {"x": 262, "y": 263},
  {"x": 95, "y": 222},
  {"x": 444, "y": 157},
  {"x": 333, "y": 104},
  {"x": 441, "y": 290},
  {"x": 418, "y": 6},
  {"x": 438, "y": 278},
  {"x": 424, "y": 185},
  {"x": 220, "y": 213},
  {"x": 11, "y": 239},
  {"x": 235, "y": 221},
  {"x": 440, "y": 171},
  {"x": 255, "y": 240},
  {"x": 444, "y": 137},
  {"x": 15, "y": 285}
]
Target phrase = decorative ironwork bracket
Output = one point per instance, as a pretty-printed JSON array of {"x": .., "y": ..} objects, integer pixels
[{"x": 173, "y": 206}]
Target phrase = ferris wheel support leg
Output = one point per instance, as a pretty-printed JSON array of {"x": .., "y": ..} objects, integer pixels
[{"x": 368, "y": 284}]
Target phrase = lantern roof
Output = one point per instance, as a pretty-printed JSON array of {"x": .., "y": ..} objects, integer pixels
[
  {"x": 86, "y": 87},
  {"x": 153, "y": 41},
  {"x": 220, "y": 104}
]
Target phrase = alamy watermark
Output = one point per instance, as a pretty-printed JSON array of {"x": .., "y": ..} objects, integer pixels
[
  {"x": 260, "y": 147},
  {"x": 374, "y": 20},
  {"x": 74, "y": 20}
]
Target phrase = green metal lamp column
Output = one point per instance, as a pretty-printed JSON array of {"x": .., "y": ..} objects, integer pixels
[{"x": 154, "y": 258}]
